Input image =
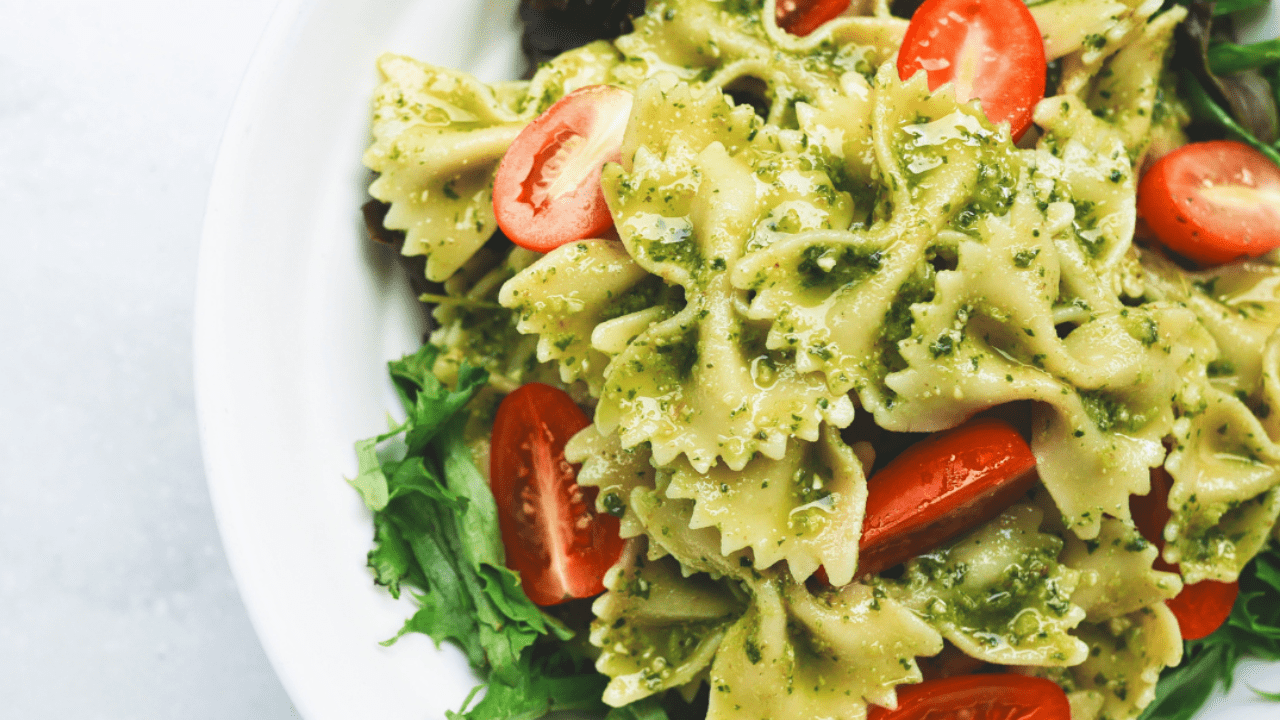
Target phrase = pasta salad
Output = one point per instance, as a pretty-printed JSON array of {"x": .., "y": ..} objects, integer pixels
[{"x": 801, "y": 359}]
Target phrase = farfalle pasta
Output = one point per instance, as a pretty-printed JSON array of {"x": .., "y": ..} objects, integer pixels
[{"x": 813, "y": 258}]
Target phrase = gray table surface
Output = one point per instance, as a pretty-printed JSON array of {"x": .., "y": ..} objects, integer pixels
[{"x": 115, "y": 597}]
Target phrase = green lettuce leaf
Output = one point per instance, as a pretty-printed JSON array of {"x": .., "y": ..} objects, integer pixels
[
  {"x": 540, "y": 683},
  {"x": 436, "y": 529},
  {"x": 1227, "y": 57}
]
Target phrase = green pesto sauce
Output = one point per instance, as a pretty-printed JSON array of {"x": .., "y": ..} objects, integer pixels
[
  {"x": 993, "y": 613},
  {"x": 993, "y": 195},
  {"x": 809, "y": 488},
  {"x": 649, "y": 292},
  {"x": 898, "y": 321},
  {"x": 1109, "y": 414},
  {"x": 489, "y": 338},
  {"x": 678, "y": 245},
  {"x": 675, "y": 358},
  {"x": 847, "y": 265}
]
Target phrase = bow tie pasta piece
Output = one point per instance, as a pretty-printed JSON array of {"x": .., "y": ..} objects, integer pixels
[
  {"x": 805, "y": 509},
  {"x": 1092, "y": 171},
  {"x": 1116, "y": 574},
  {"x": 438, "y": 137},
  {"x": 799, "y": 655},
  {"x": 1239, "y": 304},
  {"x": 999, "y": 594},
  {"x": 1085, "y": 34},
  {"x": 1094, "y": 447},
  {"x": 582, "y": 297},
  {"x": 615, "y": 471},
  {"x": 666, "y": 522},
  {"x": 838, "y": 296},
  {"x": 739, "y": 48},
  {"x": 1224, "y": 497},
  {"x": 1067, "y": 23},
  {"x": 1126, "y": 654},
  {"x": 657, "y": 629},
  {"x": 702, "y": 383},
  {"x": 1127, "y": 93}
]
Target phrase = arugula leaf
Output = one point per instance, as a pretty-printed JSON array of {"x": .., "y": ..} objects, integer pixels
[
  {"x": 1252, "y": 630},
  {"x": 370, "y": 481},
  {"x": 427, "y": 402},
  {"x": 543, "y": 682},
  {"x": 1226, "y": 7},
  {"x": 1203, "y": 107},
  {"x": 1183, "y": 691},
  {"x": 1228, "y": 57},
  {"x": 436, "y": 529},
  {"x": 1224, "y": 83},
  {"x": 392, "y": 558}
]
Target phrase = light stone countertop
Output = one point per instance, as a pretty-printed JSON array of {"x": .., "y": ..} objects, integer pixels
[{"x": 115, "y": 597}]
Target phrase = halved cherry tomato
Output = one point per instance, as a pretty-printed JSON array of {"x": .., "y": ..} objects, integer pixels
[
  {"x": 801, "y": 17},
  {"x": 990, "y": 49},
  {"x": 547, "y": 190},
  {"x": 1200, "y": 608},
  {"x": 941, "y": 487},
  {"x": 979, "y": 697},
  {"x": 1203, "y": 608},
  {"x": 553, "y": 536},
  {"x": 1213, "y": 202}
]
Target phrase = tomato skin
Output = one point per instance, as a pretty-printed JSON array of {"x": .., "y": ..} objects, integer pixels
[
  {"x": 552, "y": 534},
  {"x": 941, "y": 487},
  {"x": 1204, "y": 607},
  {"x": 801, "y": 17},
  {"x": 1200, "y": 608},
  {"x": 1009, "y": 78},
  {"x": 547, "y": 190},
  {"x": 1213, "y": 202},
  {"x": 979, "y": 697}
]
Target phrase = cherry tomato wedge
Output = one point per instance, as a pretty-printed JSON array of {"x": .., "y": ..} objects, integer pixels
[
  {"x": 547, "y": 190},
  {"x": 990, "y": 49},
  {"x": 941, "y": 487},
  {"x": 801, "y": 17},
  {"x": 1203, "y": 608},
  {"x": 1213, "y": 202},
  {"x": 1200, "y": 608},
  {"x": 979, "y": 697},
  {"x": 553, "y": 536}
]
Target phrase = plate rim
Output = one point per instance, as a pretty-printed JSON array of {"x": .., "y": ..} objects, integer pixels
[{"x": 210, "y": 372}]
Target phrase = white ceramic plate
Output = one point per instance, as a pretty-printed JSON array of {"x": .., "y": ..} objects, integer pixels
[{"x": 296, "y": 317}]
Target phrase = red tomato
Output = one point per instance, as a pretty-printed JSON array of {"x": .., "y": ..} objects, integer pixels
[
  {"x": 1200, "y": 608},
  {"x": 1203, "y": 608},
  {"x": 1213, "y": 202},
  {"x": 547, "y": 191},
  {"x": 553, "y": 536},
  {"x": 979, "y": 697},
  {"x": 941, "y": 487},
  {"x": 801, "y": 17},
  {"x": 990, "y": 49}
]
